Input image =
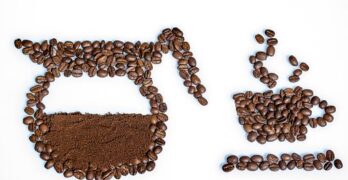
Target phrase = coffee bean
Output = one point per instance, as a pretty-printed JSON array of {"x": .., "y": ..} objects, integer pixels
[
  {"x": 102, "y": 73},
  {"x": 323, "y": 104},
  {"x": 28, "y": 120},
  {"x": 259, "y": 38},
  {"x": 269, "y": 33},
  {"x": 202, "y": 101},
  {"x": 317, "y": 164},
  {"x": 29, "y": 110},
  {"x": 273, "y": 76},
  {"x": 308, "y": 166},
  {"x": 270, "y": 51},
  {"x": 264, "y": 165},
  {"x": 252, "y": 59},
  {"x": 297, "y": 72},
  {"x": 308, "y": 158},
  {"x": 150, "y": 166},
  {"x": 330, "y": 155},
  {"x": 18, "y": 43},
  {"x": 282, "y": 165},
  {"x": 40, "y": 146},
  {"x": 256, "y": 158},
  {"x": 291, "y": 165},
  {"x": 232, "y": 159},
  {"x": 296, "y": 156},
  {"x": 274, "y": 167},
  {"x": 261, "y": 139},
  {"x": 304, "y": 66},
  {"x": 227, "y": 167},
  {"x": 321, "y": 157},
  {"x": 241, "y": 166},
  {"x": 285, "y": 157},
  {"x": 338, "y": 164},
  {"x": 330, "y": 109},
  {"x": 58, "y": 166},
  {"x": 49, "y": 164},
  {"x": 252, "y": 166},
  {"x": 294, "y": 78},
  {"x": 293, "y": 60},
  {"x": 272, "y": 41},
  {"x": 271, "y": 158},
  {"x": 68, "y": 173},
  {"x": 261, "y": 55},
  {"x": 327, "y": 166},
  {"x": 244, "y": 159},
  {"x": 252, "y": 136}
]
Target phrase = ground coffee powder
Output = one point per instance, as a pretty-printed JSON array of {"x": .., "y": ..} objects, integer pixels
[{"x": 100, "y": 141}]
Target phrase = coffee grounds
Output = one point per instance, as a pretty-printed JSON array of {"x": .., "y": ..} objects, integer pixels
[{"x": 99, "y": 141}]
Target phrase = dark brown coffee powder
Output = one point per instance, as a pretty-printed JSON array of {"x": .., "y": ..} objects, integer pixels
[{"x": 99, "y": 141}]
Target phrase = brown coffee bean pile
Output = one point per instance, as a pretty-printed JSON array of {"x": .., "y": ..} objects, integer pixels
[
  {"x": 261, "y": 72},
  {"x": 107, "y": 59},
  {"x": 295, "y": 77},
  {"x": 268, "y": 116},
  {"x": 307, "y": 162}
]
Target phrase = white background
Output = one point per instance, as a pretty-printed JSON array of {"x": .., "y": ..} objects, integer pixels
[{"x": 221, "y": 37}]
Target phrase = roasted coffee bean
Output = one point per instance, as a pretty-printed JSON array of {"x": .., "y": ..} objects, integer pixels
[
  {"x": 317, "y": 164},
  {"x": 49, "y": 164},
  {"x": 150, "y": 166},
  {"x": 272, "y": 41},
  {"x": 285, "y": 157},
  {"x": 269, "y": 33},
  {"x": 330, "y": 109},
  {"x": 282, "y": 165},
  {"x": 338, "y": 164},
  {"x": 294, "y": 78},
  {"x": 308, "y": 166},
  {"x": 308, "y": 158},
  {"x": 252, "y": 136},
  {"x": 252, "y": 166},
  {"x": 258, "y": 37},
  {"x": 29, "y": 110},
  {"x": 261, "y": 55},
  {"x": 274, "y": 167},
  {"x": 327, "y": 166},
  {"x": 264, "y": 165},
  {"x": 227, "y": 167},
  {"x": 271, "y": 158},
  {"x": 304, "y": 66},
  {"x": 261, "y": 139},
  {"x": 297, "y": 72},
  {"x": 296, "y": 156},
  {"x": 291, "y": 165},
  {"x": 40, "y": 146},
  {"x": 293, "y": 60},
  {"x": 256, "y": 158},
  {"x": 58, "y": 166},
  {"x": 102, "y": 73},
  {"x": 68, "y": 173},
  {"x": 321, "y": 157},
  {"x": 270, "y": 51},
  {"x": 244, "y": 159},
  {"x": 202, "y": 101},
  {"x": 232, "y": 159},
  {"x": 241, "y": 166},
  {"x": 273, "y": 76},
  {"x": 330, "y": 155},
  {"x": 18, "y": 43},
  {"x": 252, "y": 59}
]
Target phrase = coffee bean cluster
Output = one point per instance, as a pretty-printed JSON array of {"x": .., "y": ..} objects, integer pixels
[
  {"x": 269, "y": 116},
  {"x": 260, "y": 71},
  {"x": 295, "y": 77},
  {"x": 117, "y": 58},
  {"x": 107, "y": 59},
  {"x": 307, "y": 162}
]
